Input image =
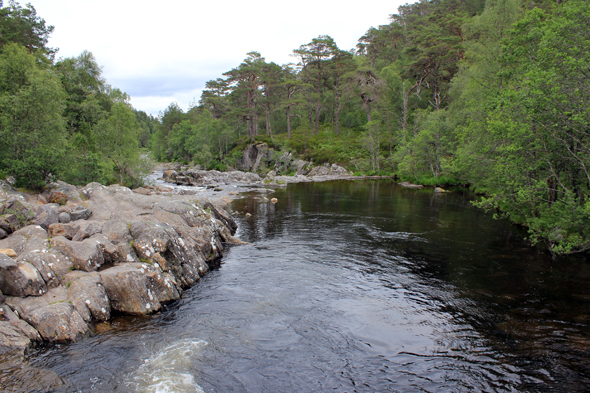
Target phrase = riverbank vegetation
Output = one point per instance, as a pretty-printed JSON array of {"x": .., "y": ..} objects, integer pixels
[
  {"x": 60, "y": 118},
  {"x": 493, "y": 94}
]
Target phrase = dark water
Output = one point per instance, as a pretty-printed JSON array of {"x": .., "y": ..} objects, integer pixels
[{"x": 355, "y": 287}]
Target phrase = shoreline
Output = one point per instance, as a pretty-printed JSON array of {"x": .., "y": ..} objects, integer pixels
[{"x": 159, "y": 239}]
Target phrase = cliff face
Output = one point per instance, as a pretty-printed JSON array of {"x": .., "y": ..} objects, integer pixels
[{"x": 103, "y": 249}]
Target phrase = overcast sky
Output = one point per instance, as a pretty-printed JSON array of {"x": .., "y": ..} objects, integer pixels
[{"x": 159, "y": 52}]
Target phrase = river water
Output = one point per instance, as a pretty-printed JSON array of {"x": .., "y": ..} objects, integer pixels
[{"x": 355, "y": 287}]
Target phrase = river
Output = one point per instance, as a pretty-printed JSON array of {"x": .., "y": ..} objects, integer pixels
[{"x": 355, "y": 286}]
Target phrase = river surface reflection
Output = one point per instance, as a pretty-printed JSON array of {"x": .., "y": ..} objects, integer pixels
[{"x": 355, "y": 287}]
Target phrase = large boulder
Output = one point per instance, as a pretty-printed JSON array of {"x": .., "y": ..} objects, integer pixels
[
  {"x": 12, "y": 339},
  {"x": 110, "y": 252},
  {"x": 254, "y": 157},
  {"x": 169, "y": 176},
  {"x": 52, "y": 315},
  {"x": 138, "y": 288},
  {"x": 46, "y": 215},
  {"x": 88, "y": 295},
  {"x": 175, "y": 252},
  {"x": 51, "y": 264},
  {"x": 58, "y": 322},
  {"x": 20, "y": 278},
  {"x": 85, "y": 255},
  {"x": 88, "y": 229},
  {"x": 31, "y": 237},
  {"x": 15, "y": 242},
  {"x": 223, "y": 216},
  {"x": 14, "y": 215},
  {"x": 80, "y": 213},
  {"x": 71, "y": 192},
  {"x": 6, "y": 314},
  {"x": 67, "y": 230}
]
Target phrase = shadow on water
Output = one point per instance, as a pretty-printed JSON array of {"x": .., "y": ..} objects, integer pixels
[{"x": 358, "y": 287}]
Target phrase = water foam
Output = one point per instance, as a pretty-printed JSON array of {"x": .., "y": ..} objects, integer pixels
[{"x": 168, "y": 369}]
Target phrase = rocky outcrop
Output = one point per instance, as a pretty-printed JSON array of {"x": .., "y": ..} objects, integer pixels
[
  {"x": 195, "y": 177},
  {"x": 254, "y": 156},
  {"x": 406, "y": 184},
  {"x": 121, "y": 251}
]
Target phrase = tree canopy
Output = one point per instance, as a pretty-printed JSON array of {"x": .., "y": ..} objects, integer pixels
[{"x": 492, "y": 94}]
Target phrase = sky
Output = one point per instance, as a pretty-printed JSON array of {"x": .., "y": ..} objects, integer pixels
[{"x": 163, "y": 52}]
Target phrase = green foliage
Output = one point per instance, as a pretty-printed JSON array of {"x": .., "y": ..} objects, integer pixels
[
  {"x": 22, "y": 26},
  {"x": 538, "y": 140},
  {"x": 493, "y": 94},
  {"x": 32, "y": 130}
]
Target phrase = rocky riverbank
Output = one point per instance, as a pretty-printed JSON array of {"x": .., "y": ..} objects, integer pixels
[{"x": 71, "y": 256}]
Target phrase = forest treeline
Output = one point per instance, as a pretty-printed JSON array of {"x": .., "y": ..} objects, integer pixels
[
  {"x": 487, "y": 93},
  {"x": 493, "y": 94},
  {"x": 61, "y": 119}
]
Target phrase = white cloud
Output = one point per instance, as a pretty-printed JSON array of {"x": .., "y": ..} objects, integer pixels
[{"x": 158, "y": 51}]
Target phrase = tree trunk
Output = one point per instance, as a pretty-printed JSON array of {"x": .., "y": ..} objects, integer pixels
[
  {"x": 288, "y": 113},
  {"x": 317, "y": 107},
  {"x": 337, "y": 106},
  {"x": 267, "y": 114}
]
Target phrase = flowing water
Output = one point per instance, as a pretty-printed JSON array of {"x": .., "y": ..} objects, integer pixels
[{"x": 355, "y": 287}]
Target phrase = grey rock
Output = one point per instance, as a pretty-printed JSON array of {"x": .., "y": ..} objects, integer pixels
[
  {"x": 3, "y": 233},
  {"x": 80, "y": 213},
  {"x": 32, "y": 230},
  {"x": 169, "y": 176},
  {"x": 6, "y": 314},
  {"x": 52, "y": 265},
  {"x": 85, "y": 255},
  {"x": 127, "y": 252},
  {"x": 87, "y": 231},
  {"x": 72, "y": 192},
  {"x": 51, "y": 315},
  {"x": 87, "y": 191},
  {"x": 12, "y": 338},
  {"x": 58, "y": 322},
  {"x": 110, "y": 252},
  {"x": 222, "y": 216},
  {"x": 46, "y": 215},
  {"x": 20, "y": 278},
  {"x": 31, "y": 237},
  {"x": 254, "y": 157},
  {"x": 116, "y": 231},
  {"x": 88, "y": 296},
  {"x": 67, "y": 230},
  {"x": 64, "y": 218},
  {"x": 175, "y": 253},
  {"x": 129, "y": 289},
  {"x": 18, "y": 243}
]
